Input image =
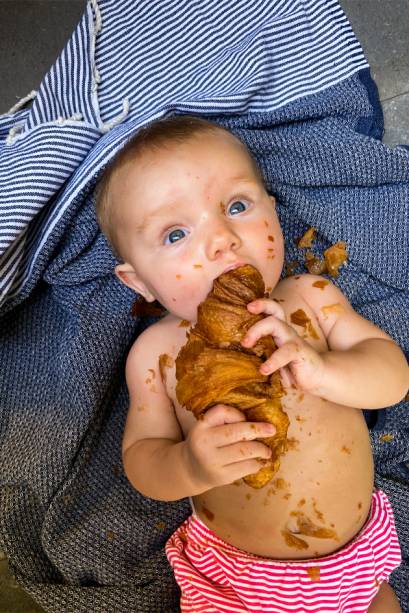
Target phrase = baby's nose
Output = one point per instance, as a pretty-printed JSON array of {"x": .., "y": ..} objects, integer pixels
[{"x": 222, "y": 239}]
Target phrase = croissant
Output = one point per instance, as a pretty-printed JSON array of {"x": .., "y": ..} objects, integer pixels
[{"x": 213, "y": 367}]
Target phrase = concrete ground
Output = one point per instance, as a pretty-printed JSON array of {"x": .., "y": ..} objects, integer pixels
[{"x": 32, "y": 33}]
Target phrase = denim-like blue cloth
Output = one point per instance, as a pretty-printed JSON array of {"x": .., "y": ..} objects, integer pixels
[{"x": 78, "y": 537}]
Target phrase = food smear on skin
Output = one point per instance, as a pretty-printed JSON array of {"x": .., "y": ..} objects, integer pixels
[
  {"x": 345, "y": 449},
  {"x": 197, "y": 266},
  {"x": 165, "y": 361},
  {"x": 307, "y": 238},
  {"x": 281, "y": 484},
  {"x": 294, "y": 541},
  {"x": 306, "y": 527},
  {"x": 153, "y": 372},
  {"x": 300, "y": 318},
  {"x": 184, "y": 323},
  {"x": 270, "y": 238},
  {"x": 321, "y": 283},
  {"x": 317, "y": 512},
  {"x": 178, "y": 277},
  {"x": 292, "y": 444},
  {"x": 332, "y": 308}
]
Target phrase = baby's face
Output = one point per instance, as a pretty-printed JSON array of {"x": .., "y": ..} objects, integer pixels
[{"x": 189, "y": 213}]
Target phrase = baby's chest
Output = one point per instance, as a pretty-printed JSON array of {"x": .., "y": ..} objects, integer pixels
[{"x": 297, "y": 315}]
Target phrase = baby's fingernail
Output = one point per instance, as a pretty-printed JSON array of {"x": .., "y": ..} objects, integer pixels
[{"x": 264, "y": 370}]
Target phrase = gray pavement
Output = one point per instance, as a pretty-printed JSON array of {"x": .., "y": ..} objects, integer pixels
[{"x": 32, "y": 33}]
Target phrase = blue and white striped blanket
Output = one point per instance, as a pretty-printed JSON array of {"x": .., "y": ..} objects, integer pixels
[{"x": 287, "y": 76}]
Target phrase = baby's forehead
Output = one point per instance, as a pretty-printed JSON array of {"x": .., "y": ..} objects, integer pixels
[
  {"x": 145, "y": 167},
  {"x": 220, "y": 143}
]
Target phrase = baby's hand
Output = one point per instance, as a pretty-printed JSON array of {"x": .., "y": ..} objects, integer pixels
[
  {"x": 221, "y": 447},
  {"x": 293, "y": 354}
]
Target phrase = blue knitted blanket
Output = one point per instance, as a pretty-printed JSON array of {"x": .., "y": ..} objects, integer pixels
[{"x": 289, "y": 78}]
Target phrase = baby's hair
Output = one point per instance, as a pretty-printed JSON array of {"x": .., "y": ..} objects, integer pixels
[{"x": 152, "y": 137}]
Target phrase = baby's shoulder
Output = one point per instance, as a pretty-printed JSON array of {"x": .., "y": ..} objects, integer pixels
[
  {"x": 162, "y": 337},
  {"x": 318, "y": 297},
  {"x": 315, "y": 290}
]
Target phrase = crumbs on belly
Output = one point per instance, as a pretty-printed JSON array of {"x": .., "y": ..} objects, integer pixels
[
  {"x": 293, "y": 541},
  {"x": 307, "y": 527}
]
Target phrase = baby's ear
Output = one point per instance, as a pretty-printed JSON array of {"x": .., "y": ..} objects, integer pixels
[{"x": 129, "y": 277}]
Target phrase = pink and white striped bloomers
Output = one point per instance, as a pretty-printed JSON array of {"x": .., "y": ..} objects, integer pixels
[{"x": 215, "y": 576}]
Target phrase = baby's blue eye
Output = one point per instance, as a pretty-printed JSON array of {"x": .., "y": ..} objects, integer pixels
[
  {"x": 175, "y": 235},
  {"x": 238, "y": 206}
]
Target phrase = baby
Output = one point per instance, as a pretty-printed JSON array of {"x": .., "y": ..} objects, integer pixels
[{"x": 181, "y": 204}]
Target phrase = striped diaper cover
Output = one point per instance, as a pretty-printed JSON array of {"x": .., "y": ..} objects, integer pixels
[{"x": 215, "y": 576}]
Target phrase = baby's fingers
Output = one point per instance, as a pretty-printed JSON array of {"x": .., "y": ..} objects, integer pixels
[
  {"x": 268, "y": 306},
  {"x": 290, "y": 352},
  {"x": 229, "y": 434},
  {"x": 238, "y": 470},
  {"x": 246, "y": 450},
  {"x": 278, "y": 329}
]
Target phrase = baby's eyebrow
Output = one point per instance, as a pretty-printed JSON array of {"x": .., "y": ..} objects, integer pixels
[
  {"x": 167, "y": 208},
  {"x": 147, "y": 221}
]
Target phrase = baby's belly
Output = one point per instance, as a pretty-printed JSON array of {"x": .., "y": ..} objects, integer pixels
[{"x": 317, "y": 501}]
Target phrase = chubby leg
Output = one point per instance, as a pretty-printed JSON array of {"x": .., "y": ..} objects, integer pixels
[{"x": 385, "y": 601}]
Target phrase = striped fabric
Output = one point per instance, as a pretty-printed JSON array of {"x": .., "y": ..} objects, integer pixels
[
  {"x": 128, "y": 63},
  {"x": 215, "y": 576}
]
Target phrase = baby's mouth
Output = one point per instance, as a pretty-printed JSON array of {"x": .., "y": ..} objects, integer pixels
[{"x": 233, "y": 266}]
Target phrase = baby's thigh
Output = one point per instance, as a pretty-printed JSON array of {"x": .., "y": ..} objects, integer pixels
[{"x": 385, "y": 601}]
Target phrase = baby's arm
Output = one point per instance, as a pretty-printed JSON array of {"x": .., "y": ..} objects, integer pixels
[
  {"x": 219, "y": 449},
  {"x": 363, "y": 368}
]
